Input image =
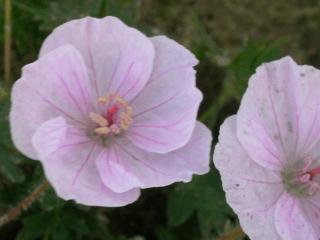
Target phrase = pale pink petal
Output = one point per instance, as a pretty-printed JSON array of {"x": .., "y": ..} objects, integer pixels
[
  {"x": 170, "y": 56},
  {"x": 165, "y": 111},
  {"x": 308, "y": 109},
  {"x": 54, "y": 129},
  {"x": 291, "y": 221},
  {"x": 251, "y": 191},
  {"x": 68, "y": 158},
  {"x": 259, "y": 225},
  {"x": 55, "y": 85},
  {"x": 311, "y": 209},
  {"x": 279, "y": 116},
  {"x": 266, "y": 112},
  {"x": 119, "y": 58},
  {"x": 156, "y": 170},
  {"x": 114, "y": 174}
]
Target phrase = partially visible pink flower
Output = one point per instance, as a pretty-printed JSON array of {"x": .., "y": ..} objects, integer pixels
[
  {"x": 268, "y": 154},
  {"x": 109, "y": 111}
]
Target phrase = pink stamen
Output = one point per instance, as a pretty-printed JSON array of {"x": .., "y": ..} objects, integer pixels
[
  {"x": 309, "y": 175},
  {"x": 305, "y": 178}
]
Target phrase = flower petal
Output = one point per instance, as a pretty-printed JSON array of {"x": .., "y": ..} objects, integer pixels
[
  {"x": 157, "y": 170},
  {"x": 165, "y": 111},
  {"x": 290, "y": 220},
  {"x": 68, "y": 158},
  {"x": 113, "y": 174},
  {"x": 279, "y": 116},
  {"x": 55, "y": 85},
  {"x": 251, "y": 190},
  {"x": 260, "y": 225},
  {"x": 119, "y": 58},
  {"x": 170, "y": 56},
  {"x": 311, "y": 209},
  {"x": 54, "y": 129},
  {"x": 308, "y": 109}
]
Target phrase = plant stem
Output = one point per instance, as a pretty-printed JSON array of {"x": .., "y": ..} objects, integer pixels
[
  {"x": 7, "y": 41},
  {"x": 234, "y": 234},
  {"x": 23, "y": 205}
]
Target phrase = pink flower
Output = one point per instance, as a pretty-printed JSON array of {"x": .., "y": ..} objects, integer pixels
[
  {"x": 269, "y": 154},
  {"x": 109, "y": 111}
]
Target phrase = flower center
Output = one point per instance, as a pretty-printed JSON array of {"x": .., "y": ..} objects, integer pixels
[
  {"x": 116, "y": 117},
  {"x": 303, "y": 182}
]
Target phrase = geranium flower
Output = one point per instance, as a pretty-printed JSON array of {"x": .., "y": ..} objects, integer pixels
[
  {"x": 268, "y": 154},
  {"x": 109, "y": 111}
]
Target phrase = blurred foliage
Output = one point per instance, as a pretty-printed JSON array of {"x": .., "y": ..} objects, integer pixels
[{"x": 230, "y": 38}]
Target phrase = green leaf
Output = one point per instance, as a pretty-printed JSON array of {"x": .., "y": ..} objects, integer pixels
[
  {"x": 49, "y": 200},
  {"x": 126, "y": 10},
  {"x": 205, "y": 196},
  {"x": 212, "y": 210},
  {"x": 253, "y": 55},
  {"x": 34, "y": 226},
  {"x": 61, "y": 232},
  {"x": 8, "y": 167},
  {"x": 5, "y": 139},
  {"x": 51, "y": 14},
  {"x": 75, "y": 220},
  {"x": 137, "y": 238},
  {"x": 181, "y": 205},
  {"x": 164, "y": 234}
]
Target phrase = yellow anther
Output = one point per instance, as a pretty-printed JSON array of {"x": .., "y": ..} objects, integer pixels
[
  {"x": 129, "y": 110},
  {"x": 124, "y": 125},
  {"x": 102, "y": 130},
  {"x": 125, "y": 120},
  {"x": 98, "y": 119},
  {"x": 103, "y": 100},
  {"x": 121, "y": 101},
  {"x": 123, "y": 115}
]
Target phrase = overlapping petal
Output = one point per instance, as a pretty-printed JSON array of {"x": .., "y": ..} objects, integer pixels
[
  {"x": 143, "y": 169},
  {"x": 311, "y": 210},
  {"x": 291, "y": 221},
  {"x": 165, "y": 111},
  {"x": 119, "y": 58},
  {"x": 279, "y": 114},
  {"x": 55, "y": 85},
  {"x": 114, "y": 173},
  {"x": 251, "y": 191},
  {"x": 68, "y": 157}
]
